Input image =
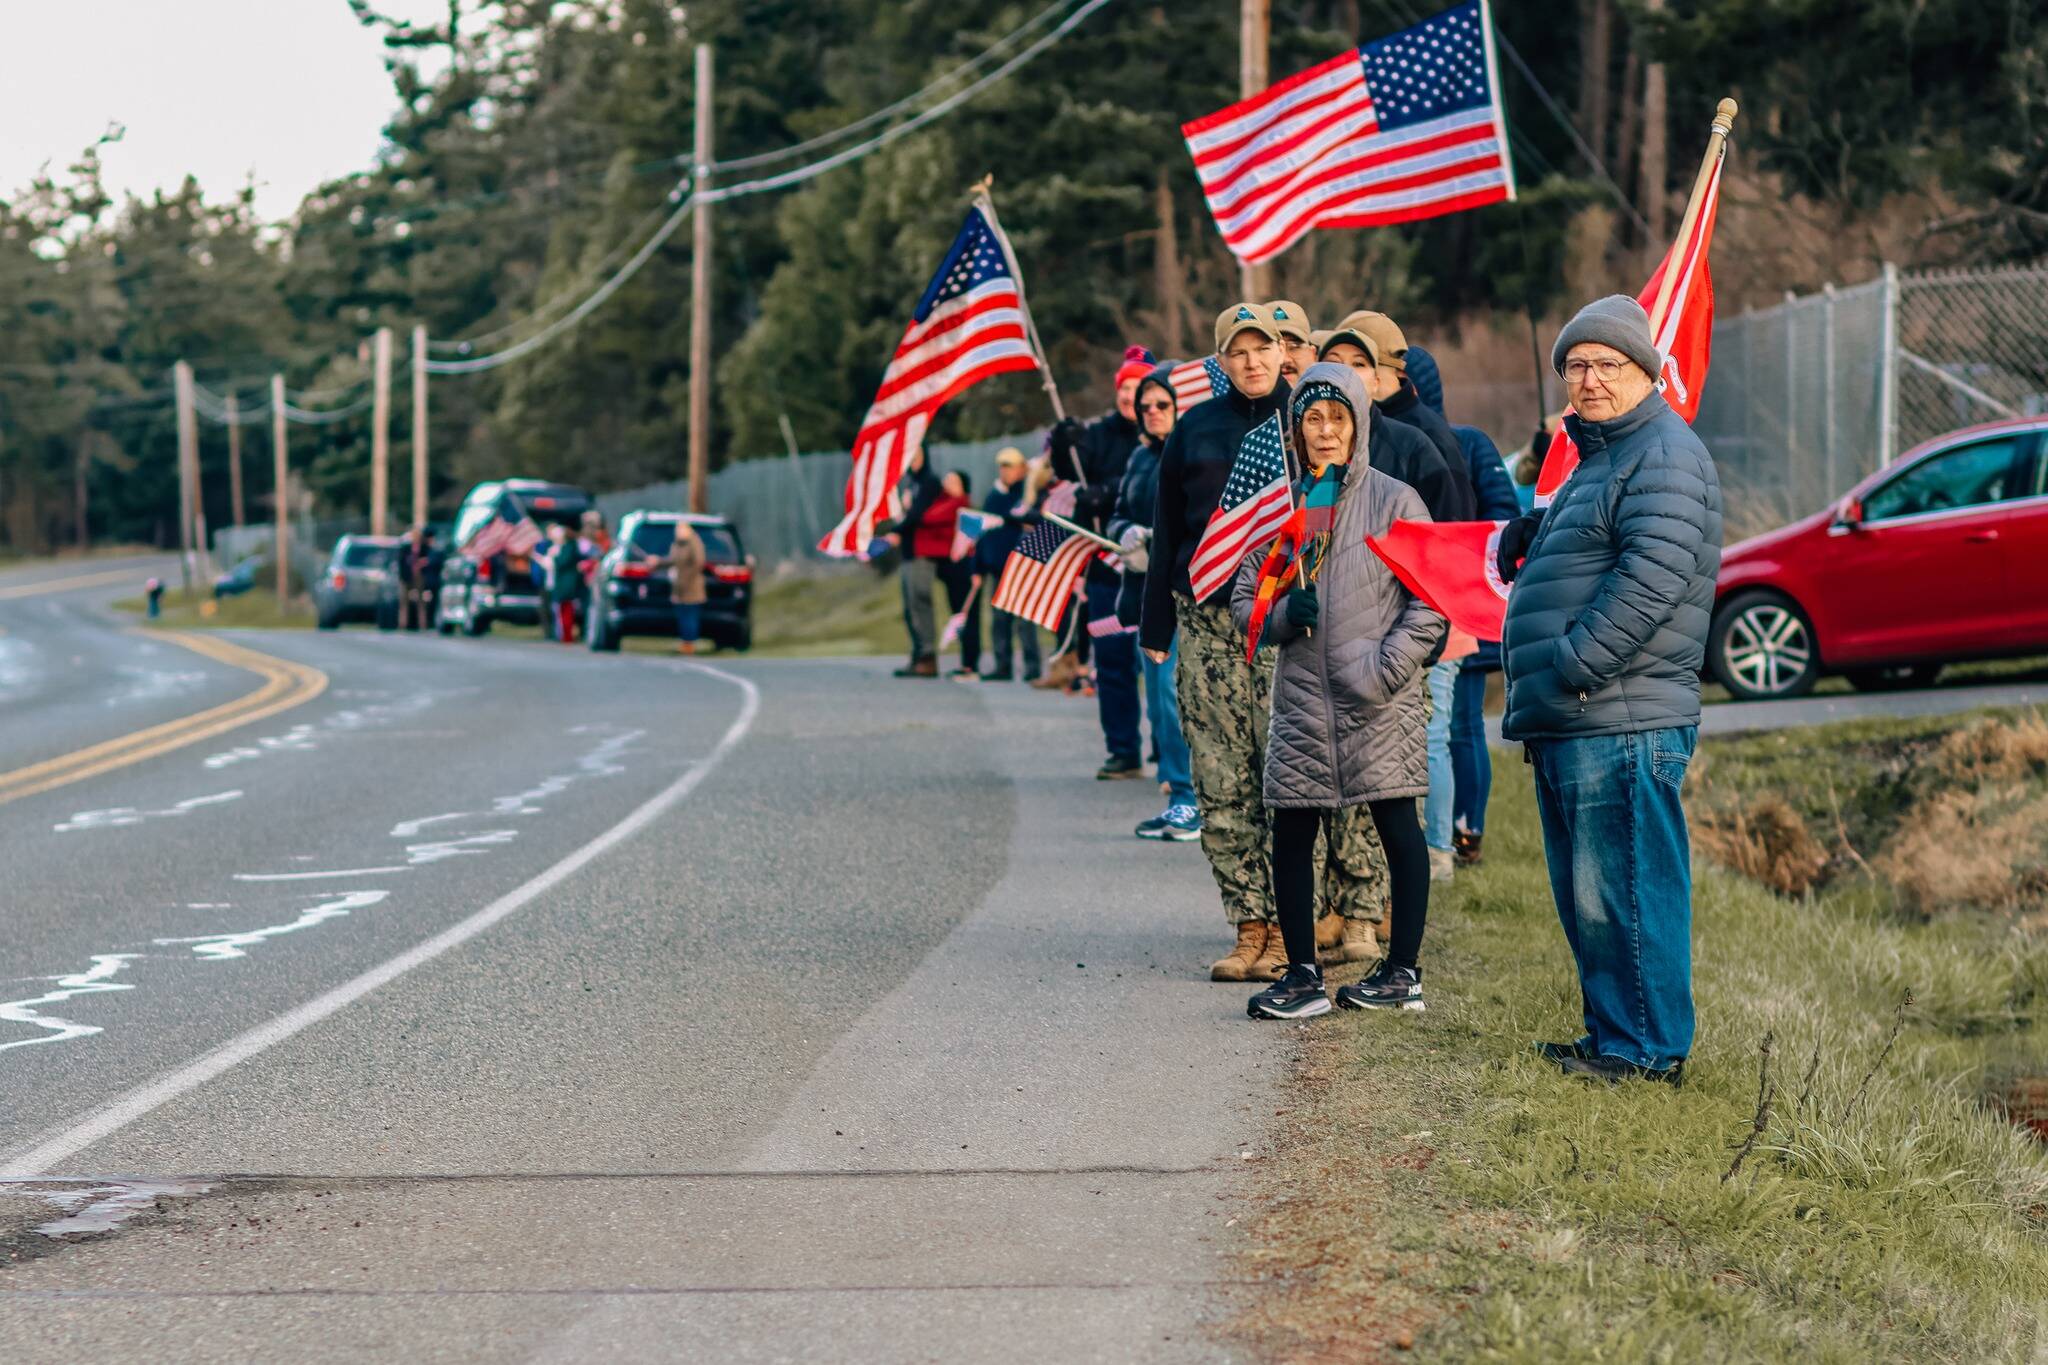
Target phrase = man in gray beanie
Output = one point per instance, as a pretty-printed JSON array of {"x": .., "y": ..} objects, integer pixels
[{"x": 1605, "y": 635}]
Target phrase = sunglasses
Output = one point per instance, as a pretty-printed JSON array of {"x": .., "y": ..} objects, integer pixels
[{"x": 1162, "y": 405}]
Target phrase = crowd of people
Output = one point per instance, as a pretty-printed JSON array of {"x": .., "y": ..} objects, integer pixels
[{"x": 1307, "y": 726}]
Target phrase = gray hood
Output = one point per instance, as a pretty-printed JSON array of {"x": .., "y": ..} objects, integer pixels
[{"x": 1314, "y": 385}]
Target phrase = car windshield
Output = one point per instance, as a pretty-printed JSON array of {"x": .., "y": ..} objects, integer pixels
[
  {"x": 657, "y": 538},
  {"x": 370, "y": 556}
]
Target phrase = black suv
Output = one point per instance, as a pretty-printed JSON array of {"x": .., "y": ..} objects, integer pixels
[
  {"x": 630, "y": 591},
  {"x": 503, "y": 585}
]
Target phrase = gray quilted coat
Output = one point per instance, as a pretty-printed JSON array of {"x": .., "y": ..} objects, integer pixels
[
  {"x": 1607, "y": 622},
  {"x": 1348, "y": 718}
]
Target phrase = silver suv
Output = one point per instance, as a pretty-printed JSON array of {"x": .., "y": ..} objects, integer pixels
[{"x": 360, "y": 582}]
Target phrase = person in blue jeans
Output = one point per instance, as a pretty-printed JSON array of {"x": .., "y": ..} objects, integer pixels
[
  {"x": 1606, "y": 632},
  {"x": 1130, "y": 525}
]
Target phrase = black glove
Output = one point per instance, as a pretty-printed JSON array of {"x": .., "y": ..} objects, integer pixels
[
  {"x": 1302, "y": 608},
  {"x": 1515, "y": 539},
  {"x": 1061, "y": 443}
]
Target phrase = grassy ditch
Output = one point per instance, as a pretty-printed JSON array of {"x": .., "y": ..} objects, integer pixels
[
  {"x": 256, "y": 610},
  {"x": 1432, "y": 1186}
]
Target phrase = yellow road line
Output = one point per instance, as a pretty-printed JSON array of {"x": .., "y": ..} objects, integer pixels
[
  {"x": 89, "y": 580},
  {"x": 285, "y": 685}
]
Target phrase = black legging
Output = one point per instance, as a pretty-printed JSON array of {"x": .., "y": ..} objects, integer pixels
[{"x": 1294, "y": 876}]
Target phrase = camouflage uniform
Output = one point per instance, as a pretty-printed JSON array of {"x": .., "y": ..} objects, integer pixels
[{"x": 1223, "y": 710}]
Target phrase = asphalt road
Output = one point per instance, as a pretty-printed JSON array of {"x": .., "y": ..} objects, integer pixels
[{"x": 502, "y": 1002}]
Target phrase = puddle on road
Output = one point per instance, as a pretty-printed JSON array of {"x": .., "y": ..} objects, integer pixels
[{"x": 101, "y": 1206}]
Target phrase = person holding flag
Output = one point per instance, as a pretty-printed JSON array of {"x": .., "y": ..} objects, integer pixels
[
  {"x": 1605, "y": 637},
  {"x": 1348, "y": 715}
]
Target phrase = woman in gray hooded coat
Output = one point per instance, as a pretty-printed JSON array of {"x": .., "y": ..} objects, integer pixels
[{"x": 1348, "y": 717}]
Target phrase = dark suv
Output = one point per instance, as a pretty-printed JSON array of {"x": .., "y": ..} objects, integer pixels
[
  {"x": 491, "y": 575},
  {"x": 630, "y": 591}
]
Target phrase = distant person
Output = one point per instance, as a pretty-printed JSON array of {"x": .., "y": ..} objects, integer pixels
[
  {"x": 915, "y": 493},
  {"x": 432, "y": 563},
  {"x": 962, "y": 595},
  {"x": 1605, "y": 637},
  {"x": 687, "y": 590},
  {"x": 1297, "y": 339},
  {"x": 565, "y": 580},
  {"x": 154, "y": 591},
  {"x": 991, "y": 552}
]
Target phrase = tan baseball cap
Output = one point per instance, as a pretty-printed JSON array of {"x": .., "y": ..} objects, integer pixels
[
  {"x": 1387, "y": 342},
  {"x": 1354, "y": 330},
  {"x": 1010, "y": 457},
  {"x": 1239, "y": 316},
  {"x": 1292, "y": 319}
]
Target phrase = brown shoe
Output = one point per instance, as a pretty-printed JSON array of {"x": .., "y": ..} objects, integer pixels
[
  {"x": 1272, "y": 963},
  {"x": 1360, "y": 943},
  {"x": 1251, "y": 941},
  {"x": 926, "y": 667},
  {"x": 1058, "y": 674}
]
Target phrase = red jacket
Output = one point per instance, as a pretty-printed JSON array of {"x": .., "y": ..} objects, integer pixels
[{"x": 933, "y": 536}]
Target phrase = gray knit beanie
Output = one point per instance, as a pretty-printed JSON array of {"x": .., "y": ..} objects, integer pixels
[{"x": 1617, "y": 321}]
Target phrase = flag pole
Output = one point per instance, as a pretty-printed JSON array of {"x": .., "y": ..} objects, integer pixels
[
  {"x": 1717, "y": 148},
  {"x": 1083, "y": 532},
  {"x": 985, "y": 201}
]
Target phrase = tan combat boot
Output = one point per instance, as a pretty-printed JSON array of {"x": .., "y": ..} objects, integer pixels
[
  {"x": 1329, "y": 934},
  {"x": 1063, "y": 669},
  {"x": 1251, "y": 941},
  {"x": 1272, "y": 963},
  {"x": 1360, "y": 944}
]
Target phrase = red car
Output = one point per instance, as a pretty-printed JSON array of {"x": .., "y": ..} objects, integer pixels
[{"x": 1939, "y": 558}]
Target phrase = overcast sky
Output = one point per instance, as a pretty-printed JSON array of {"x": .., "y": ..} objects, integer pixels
[{"x": 292, "y": 90}]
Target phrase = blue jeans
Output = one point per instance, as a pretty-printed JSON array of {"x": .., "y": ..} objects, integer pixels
[
  {"x": 688, "y": 615},
  {"x": 1116, "y": 677},
  {"x": 1436, "y": 810},
  {"x": 1163, "y": 706},
  {"x": 1621, "y": 873},
  {"x": 1471, "y": 762}
]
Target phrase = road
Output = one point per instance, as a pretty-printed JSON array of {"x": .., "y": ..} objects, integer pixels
[
  {"x": 485, "y": 1000},
  {"x": 502, "y": 1002}
]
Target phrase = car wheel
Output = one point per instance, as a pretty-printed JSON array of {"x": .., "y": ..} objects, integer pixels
[
  {"x": 603, "y": 634},
  {"x": 1899, "y": 678},
  {"x": 326, "y": 622},
  {"x": 1762, "y": 649},
  {"x": 743, "y": 639},
  {"x": 387, "y": 616},
  {"x": 476, "y": 625}
]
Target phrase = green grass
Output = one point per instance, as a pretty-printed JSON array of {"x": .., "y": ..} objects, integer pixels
[
  {"x": 1434, "y": 1184},
  {"x": 256, "y": 610}
]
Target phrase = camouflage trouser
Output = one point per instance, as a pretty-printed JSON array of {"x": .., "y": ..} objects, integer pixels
[{"x": 1224, "y": 715}]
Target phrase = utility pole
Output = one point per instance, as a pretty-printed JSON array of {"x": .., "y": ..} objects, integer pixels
[
  {"x": 235, "y": 460},
  {"x": 1656, "y": 134},
  {"x": 280, "y": 492},
  {"x": 1255, "y": 22},
  {"x": 188, "y": 467},
  {"x": 380, "y": 436},
  {"x": 419, "y": 425},
  {"x": 700, "y": 289},
  {"x": 81, "y": 465}
]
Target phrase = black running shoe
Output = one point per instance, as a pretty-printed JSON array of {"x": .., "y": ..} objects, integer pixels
[
  {"x": 1563, "y": 1052},
  {"x": 1614, "y": 1071},
  {"x": 1388, "y": 988},
  {"x": 1298, "y": 994}
]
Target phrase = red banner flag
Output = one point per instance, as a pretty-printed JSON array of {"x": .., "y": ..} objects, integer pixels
[
  {"x": 1684, "y": 340},
  {"x": 1451, "y": 566}
]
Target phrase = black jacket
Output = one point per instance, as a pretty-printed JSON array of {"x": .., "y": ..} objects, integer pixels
[
  {"x": 1135, "y": 503},
  {"x": 1095, "y": 458},
  {"x": 1607, "y": 626},
  {"x": 1193, "y": 468},
  {"x": 1450, "y": 498},
  {"x": 1403, "y": 452}
]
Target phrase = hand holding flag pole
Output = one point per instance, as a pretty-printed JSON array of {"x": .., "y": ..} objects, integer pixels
[{"x": 1083, "y": 532}]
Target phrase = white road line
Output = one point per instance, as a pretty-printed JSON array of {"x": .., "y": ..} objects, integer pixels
[{"x": 38, "y": 1158}]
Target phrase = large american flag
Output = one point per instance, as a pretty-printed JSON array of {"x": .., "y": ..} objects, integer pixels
[
  {"x": 1039, "y": 575},
  {"x": 1406, "y": 127},
  {"x": 502, "y": 535},
  {"x": 969, "y": 325},
  {"x": 1254, "y": 506},
  {"x": 1197, "y": 381}
]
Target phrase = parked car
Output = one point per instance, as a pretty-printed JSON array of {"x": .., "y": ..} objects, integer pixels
[
  {"x": 504, "y": 586},
  {"x": 1939, "y": 558},
  {"x": 360, "y": 583},
  {"x": 238, "y": 580},
  {"x": 630, "y": 591}
]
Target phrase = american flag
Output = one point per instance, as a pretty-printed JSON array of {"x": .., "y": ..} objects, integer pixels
[
  {"x": 1254, "y": 506},
  {"x": 1102, "y": 627},
  {"x": 1039, "y": 575},
  {"x": 1197, "y": 381},
  {"x": 970, "y": 528},
  {"x": 969, "y": 325},
  {"x": 1406, "y": 127},
  {"x": 501, "y": 535}
]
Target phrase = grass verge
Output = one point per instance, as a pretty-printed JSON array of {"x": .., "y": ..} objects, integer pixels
[
  {"x": 249, "y": 611},
  {"x": 1433, "y": 1186}
]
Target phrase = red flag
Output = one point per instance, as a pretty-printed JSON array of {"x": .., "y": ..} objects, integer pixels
[
  {"x": 1684, "y": 340},
  {"x": 1451, "y": 566}
]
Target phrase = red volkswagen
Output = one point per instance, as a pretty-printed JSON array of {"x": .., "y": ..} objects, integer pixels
[{"x": 1939, "y": 558}]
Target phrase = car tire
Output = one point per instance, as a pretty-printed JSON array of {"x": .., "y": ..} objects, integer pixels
[
  {"x": 476, "y": 625},
  {"x": 326, "y": 622},
  {"x": 602, "y": 634},
  {"x": 1897, "y": 678},
  {"x": 1761, "y": 647},
  {"x": 387, "y": 616},
  {"x": 743, "y": 638}
]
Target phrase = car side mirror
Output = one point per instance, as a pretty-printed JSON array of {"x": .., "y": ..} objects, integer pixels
[{"x": 1851, "y": 514}]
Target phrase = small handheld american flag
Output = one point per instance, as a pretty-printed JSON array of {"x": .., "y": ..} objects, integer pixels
[
  {"x": 1197, "y": 381},
  {"x": 1254, "y": 506},
  {"x": 1039, "y": 575}
]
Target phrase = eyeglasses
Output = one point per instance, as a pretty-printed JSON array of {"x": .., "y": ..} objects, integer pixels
[
  {"x": 1575, "y": 371},
  {"x": 1163, "y": 405}
]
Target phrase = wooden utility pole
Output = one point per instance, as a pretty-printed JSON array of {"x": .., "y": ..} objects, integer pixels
[
  {"x": 280, "y": 492},
  {"x": 1656, "y": 134},
  {"x": 235, "y": 460},
  {"x": 1596, "y": 59},
  {"x": 380, "y": 436},
  {"x": 700, "y": 290},
  {"x": 419, "y": 426},
  {"x": 81, "y": 465},
  {"x": 1254, "y": 24},
  {"x": 188, "y": 467}
]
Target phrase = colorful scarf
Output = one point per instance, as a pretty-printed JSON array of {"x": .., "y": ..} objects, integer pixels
[{"x": 1301, "y": 549}]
